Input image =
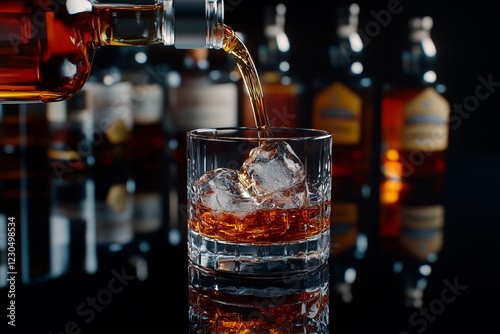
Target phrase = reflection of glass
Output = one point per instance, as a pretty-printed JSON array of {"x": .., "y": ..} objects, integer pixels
[
  {"x": 259, "y": 208},
  {"x": 411, "y": 230},
  {"x": 224, "y": 303}
]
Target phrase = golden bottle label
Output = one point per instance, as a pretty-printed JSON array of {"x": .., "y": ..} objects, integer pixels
[
  {"x": 425, "y": 120},
  {"x": 118, "y": 197},
  {"x": 117, "y": 132},
  {"x": 338, "y": 109},
  {"x": 112, "y": 110}
]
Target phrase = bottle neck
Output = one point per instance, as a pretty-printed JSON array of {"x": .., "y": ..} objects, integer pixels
[
  {"x": 419, "y": 60},
  {"x": 347, "y": 53},
  {"x": 186, "y": 24}
]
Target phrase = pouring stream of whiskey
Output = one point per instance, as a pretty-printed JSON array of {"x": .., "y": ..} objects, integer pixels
[{"x": 235, "y": 47}]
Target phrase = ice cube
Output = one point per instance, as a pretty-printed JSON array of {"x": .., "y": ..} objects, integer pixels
[
  {"x": 274, "y": 175},
  {"x": 221, "y": 190}
]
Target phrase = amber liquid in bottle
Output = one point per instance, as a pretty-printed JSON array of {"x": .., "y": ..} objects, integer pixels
[
  {"x": 414, "y": 113},
  {"x": 46, "y": 53},
  {"x": 414, "y": 148}
]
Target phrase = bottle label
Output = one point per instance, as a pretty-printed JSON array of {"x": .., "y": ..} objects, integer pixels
[
  {"x": 147, "y": 103},
  {"x": 422, "y": 217},
  {"x": 425, "y": 125},
  {"x": 338, "y": 110},
  {"x": 112, "y": 108},
  {"x": 213, "y": 105},
  {"x": 147, "y": 212}
]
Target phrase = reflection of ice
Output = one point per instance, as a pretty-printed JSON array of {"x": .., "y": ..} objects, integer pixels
[{"x": 272, "y": 177}]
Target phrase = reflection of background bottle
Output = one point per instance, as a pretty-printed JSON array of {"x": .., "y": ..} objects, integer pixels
[
  {"x": 343, "y": 103},
  {"x": 414, "y": 114},
  {"x": 411, "y": 230},
  {"x": 349, "y": 234},
  {"x": 24, "y": 183},
  {"x": 282, "y": 90},
  {"x": 114, "y": 204},
  {"x": 72, "y": 224}
]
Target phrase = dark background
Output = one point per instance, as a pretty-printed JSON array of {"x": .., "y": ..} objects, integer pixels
[{"x": 468, "y": 46}]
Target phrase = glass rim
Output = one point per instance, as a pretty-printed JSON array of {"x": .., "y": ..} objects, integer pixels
[{"x": 234, "y": 133}]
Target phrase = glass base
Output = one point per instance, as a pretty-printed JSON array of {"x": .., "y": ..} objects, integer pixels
[{"x": 248, "y": 259}]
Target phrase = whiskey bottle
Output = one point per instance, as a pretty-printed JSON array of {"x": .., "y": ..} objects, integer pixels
[
  {"x": 414, "y": 113},
  {"x": 111, "y": 107},
  {"x": 343, "y": 100},
  {"x": 283, "y": 92},
  {"x": 148, "y": 107},
  {"x": 70, "y": 134},
  {"x": 198, "y": 98},
  {"x": 48, "y": 46}
]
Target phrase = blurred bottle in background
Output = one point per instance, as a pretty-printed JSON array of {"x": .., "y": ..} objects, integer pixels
[
  {"x": 414, "y": 113},
  {"x": 70, "y": 134},
  {"x": 199, "y": 96},
  {"x": 148, "y": 95},
  {"x": 283, "y": 91},
  {"x": 343, "y": 101},
  {"x": 111, "y": 103}
]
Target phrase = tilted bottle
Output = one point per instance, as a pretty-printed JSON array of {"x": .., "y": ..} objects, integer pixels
[
  {"x": 414, "y": 114},
  {"x": 48, "y": 46}
]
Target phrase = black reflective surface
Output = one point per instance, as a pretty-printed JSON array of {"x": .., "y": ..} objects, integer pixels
[{"x": 82, "y": 274}]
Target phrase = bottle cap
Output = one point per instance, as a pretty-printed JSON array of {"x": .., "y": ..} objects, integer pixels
[{"x": 198, "y": 24}]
